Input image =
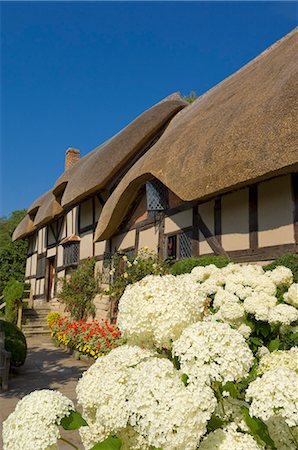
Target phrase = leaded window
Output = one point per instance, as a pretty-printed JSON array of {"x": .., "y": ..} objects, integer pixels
[
  {"x": 71, "y": 253},
  {"x": 41, "y": 267},
  {"x": 178, "y": 246},
  {"x": 157, "y": 196}
]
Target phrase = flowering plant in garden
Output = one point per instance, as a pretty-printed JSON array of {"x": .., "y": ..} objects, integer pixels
[
  {"x": 89, "y": 338},
  {"x": 210, "y": 362},
  {"x": 78, "y": 290},
  {"x": 128, "y": 269}
]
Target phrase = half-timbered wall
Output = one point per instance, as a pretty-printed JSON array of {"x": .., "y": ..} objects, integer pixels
[{"x": 255, "y": 223}]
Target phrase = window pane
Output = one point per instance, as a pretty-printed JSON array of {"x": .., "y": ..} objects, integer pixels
[
  {"x": 157, "y": 196},
  {"x": 185, "y": 245},
  {"x": 172, "y": 247}
]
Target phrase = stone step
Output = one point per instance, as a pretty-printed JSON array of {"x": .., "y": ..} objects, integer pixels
[{"x": 37, "y": 333}]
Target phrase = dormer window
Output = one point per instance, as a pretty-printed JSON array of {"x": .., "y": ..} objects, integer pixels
[{"x": 157, "y": 196}]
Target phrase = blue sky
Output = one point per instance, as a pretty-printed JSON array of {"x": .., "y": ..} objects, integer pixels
[{"x": 75, "y": 73}]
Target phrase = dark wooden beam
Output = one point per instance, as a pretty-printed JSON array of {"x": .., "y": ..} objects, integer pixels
[
  {"x": 217, "y": 219},
  {"x": 295, "y": 209},
  {"x": 210, "y": 238},
  {"x": 195, "y": 242},
  {"x": 253, "y": 217},
  {"x": 137, "y": 239},
  {"x": 161, "y": 237}
]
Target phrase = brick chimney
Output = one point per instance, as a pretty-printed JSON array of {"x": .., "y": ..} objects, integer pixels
[{"x": 72, "y": 155}]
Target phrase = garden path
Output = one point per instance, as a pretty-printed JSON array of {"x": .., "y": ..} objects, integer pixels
[{"x": 46, "y": 367}]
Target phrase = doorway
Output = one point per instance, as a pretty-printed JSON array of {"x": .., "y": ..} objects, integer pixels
[{"x": 51, "y": 270}]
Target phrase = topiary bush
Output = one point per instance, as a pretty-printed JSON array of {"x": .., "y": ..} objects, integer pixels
[
  {"x": 290, "y": 261},
  {"x": 13, "y": 294},
  {"x": 186, "y": 265},
  {"x": 15, "y": 342}
]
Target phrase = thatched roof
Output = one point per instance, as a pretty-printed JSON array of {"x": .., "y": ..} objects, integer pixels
[
  {"x": 25, "y": 227},
  {"x": 243, "y": 130},
  {"x": 98, "y": 168}
]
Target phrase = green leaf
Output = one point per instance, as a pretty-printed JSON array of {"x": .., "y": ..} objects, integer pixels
[
  {"x": 251, "y": 323},
  {"x": 258, "y": 428},
  {"x": 73, "y": 421},
  {"x": 184, "y": 379},
  {"x": 230, "y": 387},
  {"x": 111, "y": 443},
  {"x": 214, "y": 423},
  {"x": 176, "y": 362},
  {"x": 274, "y": 345}
]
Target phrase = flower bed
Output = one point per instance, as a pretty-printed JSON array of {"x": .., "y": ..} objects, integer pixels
[{"x": 92, "y": 339}]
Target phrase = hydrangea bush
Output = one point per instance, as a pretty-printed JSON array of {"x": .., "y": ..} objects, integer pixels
[{"x": 210, "y": 362}]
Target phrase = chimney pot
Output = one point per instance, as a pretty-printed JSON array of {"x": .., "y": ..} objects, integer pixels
[{"x": 72, "y": 155}]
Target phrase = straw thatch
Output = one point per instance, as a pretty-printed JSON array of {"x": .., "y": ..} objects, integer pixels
[
  {"x": 25, "y": 227},
  {"x": 92, "y": 172},
  {"x": 97, "y": 168},
  {"x": 241, "y": 131}
]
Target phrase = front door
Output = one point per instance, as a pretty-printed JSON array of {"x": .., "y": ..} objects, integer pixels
[{"x": 50, "y": 277}]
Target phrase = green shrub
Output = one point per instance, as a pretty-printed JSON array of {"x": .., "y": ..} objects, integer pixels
[
  {"x": 13, "y": 294},
  {"x": 15, "y": 342},
  {"x": 78, "y": 291},
  {"x": 289, "y": 260},
  {"x": 186, "y": 265}
]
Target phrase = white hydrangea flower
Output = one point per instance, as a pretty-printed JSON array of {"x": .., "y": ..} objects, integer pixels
[
  {"x": 282, "y": 314},
  {"x": 281, "y": 276},
  {"x": 155, "y": 310},
  {"x": 262, "y": 351},
  {"x": 103, "y": 393},
  {"x": 202, "y": 273},
  {"x": 34, "y": 424},
  {"x": 214, "y": 351},
  {"x": 291, "y": 296},
  {"x": 275, "y": 393},
  {"x": 229, "y": 438},
  {"x": 260, "y": 305},
  {"x": 279, "y": 358},
  {"x": 244, "y": 330},
  {"x": 171, "y": 415},
  {"x": 231, "y": 312},
  {"x": 284, "y": 438}
]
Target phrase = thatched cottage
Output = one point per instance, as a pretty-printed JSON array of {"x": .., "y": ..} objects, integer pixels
[{"x": 218, "y": 176}]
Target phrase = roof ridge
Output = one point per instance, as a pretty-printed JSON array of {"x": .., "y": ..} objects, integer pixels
[{"x": 249, "y": 63}]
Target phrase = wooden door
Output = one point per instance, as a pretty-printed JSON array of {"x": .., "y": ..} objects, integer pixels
[{"x": 50, "y": 277}]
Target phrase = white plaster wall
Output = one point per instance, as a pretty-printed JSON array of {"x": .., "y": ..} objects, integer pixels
[
  {"x": 41, "y": 240},
  {"x": 178, "y": 221},
  {"x": 235, "y": 220},
  {"x": 275, "y": 212},
  {"x": 100, "y": 247},
  {"x": 51, "y": 252},
  {"x": 69, "y": 222},
  {"x": 149, "y": 238},
  {"x": 86, "y": 245},
  {"x": 60, "y": 256},
  {"x": 33, "y": 264},
  {"x": 28, "y": 267},
  {"x": 206, "y": 211},
  {"x": 124, "y": 241}
]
